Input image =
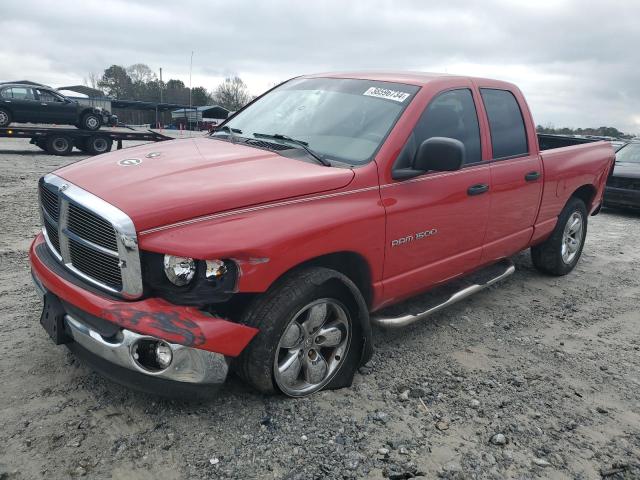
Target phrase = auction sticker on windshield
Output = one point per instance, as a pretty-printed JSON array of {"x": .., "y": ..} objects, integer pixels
[{"x": 387, "y": 94}]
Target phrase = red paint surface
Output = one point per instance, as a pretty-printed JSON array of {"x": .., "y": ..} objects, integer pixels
[
  {"x": 206, "y": 199},
  {"x": 156, "y": 317}
]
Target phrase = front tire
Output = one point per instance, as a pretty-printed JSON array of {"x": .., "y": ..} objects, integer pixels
[
  {"x": 559, "y": 254},
  {"x": 90, "y": 121},
  {"x": 310, "y": 337}
]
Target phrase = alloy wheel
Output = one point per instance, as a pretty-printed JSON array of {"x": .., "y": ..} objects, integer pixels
[
  {"x": 312, "y": 348},
  {"x": 572, "y": 237}
]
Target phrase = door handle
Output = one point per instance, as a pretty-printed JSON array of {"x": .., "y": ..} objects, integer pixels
[
  {"x": 532, "y": 176},
  {"x": 477, "y": 189}
]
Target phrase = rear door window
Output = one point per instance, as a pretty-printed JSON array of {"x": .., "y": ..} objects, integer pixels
[
  {"x": 506, "y": 124},
  {"x": 20, "y": 93}
]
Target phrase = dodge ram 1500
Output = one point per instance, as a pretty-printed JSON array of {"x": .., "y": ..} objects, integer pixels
[{"x": 272, "y": 245}]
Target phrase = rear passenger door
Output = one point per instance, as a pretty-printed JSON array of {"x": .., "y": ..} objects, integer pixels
[
  {"x": 516, "y": 176},
  {"x": 22, "y": 104}
]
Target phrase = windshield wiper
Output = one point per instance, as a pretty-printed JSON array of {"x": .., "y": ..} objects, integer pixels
[
  {"x": 232, "y": 132},
  {"x": 302, "y": 144}
]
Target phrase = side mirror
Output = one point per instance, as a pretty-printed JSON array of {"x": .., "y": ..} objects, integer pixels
[{"x": 440, "y": 154}]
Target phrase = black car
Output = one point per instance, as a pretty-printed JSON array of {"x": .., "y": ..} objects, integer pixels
[
  {"x": 38, "y": 104},
  {"x": 623, "y": 186}
]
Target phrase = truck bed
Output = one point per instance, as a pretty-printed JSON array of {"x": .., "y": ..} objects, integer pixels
[{"x": 549, "y": 142}]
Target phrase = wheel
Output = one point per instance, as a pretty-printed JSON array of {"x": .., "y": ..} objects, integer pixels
[
  {"x": 5, "y": 117},
  {"x": 90, "y": 121},
  {"x": 559, "y": 254},
  {"x": 97, "y": 144},
  {"x": 59, "y": 145},
  {"x": 310, "y": 335}
]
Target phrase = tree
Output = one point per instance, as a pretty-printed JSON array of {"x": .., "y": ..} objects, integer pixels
[
  {"x": 92, "y": 80},
  {"x": 139, "y": 72},
  {"x": 116, "y": 82},
  {"x": 232, "y": 94},
  {"x": 200, "y": 97},
  {"x": 176, "y": 92}
]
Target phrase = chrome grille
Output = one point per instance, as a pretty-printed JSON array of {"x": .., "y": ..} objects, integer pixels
[
  {"x": 49, "y": 201},
  {"x": 98, "y": 265},
  {"x": 52, "y": 233},
  {"x": 91, "y": 237},
  {"x": 91, "y": 227}
]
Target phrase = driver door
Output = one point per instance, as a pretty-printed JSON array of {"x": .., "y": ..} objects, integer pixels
[
  {"x": 54, "y": 108},
  {"x": 436, "y": 222}
]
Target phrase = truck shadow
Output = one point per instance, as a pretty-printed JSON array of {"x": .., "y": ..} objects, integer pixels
[{"x": 38, "y": 152}]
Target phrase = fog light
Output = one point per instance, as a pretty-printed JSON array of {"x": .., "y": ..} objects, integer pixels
[
  {"x": 164, "y": 355},
  {"x": 152, "y": 355}
]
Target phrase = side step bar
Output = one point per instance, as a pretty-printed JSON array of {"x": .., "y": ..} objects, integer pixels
[{"x": 441, "y": 297}]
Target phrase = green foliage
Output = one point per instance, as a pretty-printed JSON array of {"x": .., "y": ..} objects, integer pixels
[{"x": 600, "y": 131}]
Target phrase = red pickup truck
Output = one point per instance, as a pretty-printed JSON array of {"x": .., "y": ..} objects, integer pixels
[{"x": 270, "y": 246}]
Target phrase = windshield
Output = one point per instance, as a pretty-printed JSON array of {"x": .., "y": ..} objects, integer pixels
[
  {"x": 629, "y": 154},
  {"x": 339, "y": 119}
]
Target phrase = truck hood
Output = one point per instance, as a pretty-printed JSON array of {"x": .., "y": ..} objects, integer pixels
[{"x": 162, "y": 183}]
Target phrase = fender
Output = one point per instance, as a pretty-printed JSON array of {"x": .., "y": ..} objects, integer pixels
[{"x": 268, "y": 240}]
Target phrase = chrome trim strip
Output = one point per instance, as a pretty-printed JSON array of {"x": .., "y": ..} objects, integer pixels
[
  {"x": 404, "y": 320},
  {"x": 189, "y": 365},
  {"x": 50, "y": 245},
  {"x": 123, "y": 226},
  {"x": 254, "y": 209}
]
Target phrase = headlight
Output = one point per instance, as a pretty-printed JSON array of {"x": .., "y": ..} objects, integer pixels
[{"x": 179, "y": 270}]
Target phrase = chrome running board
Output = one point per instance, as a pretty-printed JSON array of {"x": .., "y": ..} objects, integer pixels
[{"x": 443, "y": 296}]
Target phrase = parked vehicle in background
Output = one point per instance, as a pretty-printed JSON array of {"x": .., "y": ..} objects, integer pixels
[
  {"x": 272, "y": 245},
  {"x": 623, "y": 186},
  {"x": 30, "y": 103}
]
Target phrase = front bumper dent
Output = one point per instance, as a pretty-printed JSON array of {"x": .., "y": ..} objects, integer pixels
[
  {"x": 104, "y": 331},
  {"x": 190, "y": 365}
]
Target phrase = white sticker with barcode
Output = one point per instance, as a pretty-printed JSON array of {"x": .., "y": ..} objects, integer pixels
[{"x": 387, "y": 94}]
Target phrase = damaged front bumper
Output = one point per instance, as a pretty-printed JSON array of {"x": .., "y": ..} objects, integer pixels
[{"x": 106, "y": 332}]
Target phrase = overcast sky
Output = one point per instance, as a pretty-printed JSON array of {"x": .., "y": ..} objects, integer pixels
[{"x": 576, "y": 61}]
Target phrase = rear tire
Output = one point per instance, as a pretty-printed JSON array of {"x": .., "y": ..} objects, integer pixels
[
  {"x": 310, "y": 317},
  {"x": 97, "y": 144},
  {"x": 5, "y": 117},
  {"x": 90, "y": 121},
  {"x": 59, "y": 145},
  {"x": 559, "y": 254}
]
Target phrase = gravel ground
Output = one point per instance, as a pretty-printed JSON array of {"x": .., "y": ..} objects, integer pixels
[{"x": 538, "y": 377}]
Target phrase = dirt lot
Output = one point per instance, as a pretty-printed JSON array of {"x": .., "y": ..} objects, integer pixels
[{"x": 538, "y": 377}]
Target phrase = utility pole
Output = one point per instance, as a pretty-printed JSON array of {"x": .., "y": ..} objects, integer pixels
[
  {"x": 160, "y": 84},
  {"x": 190, "y": 70}
]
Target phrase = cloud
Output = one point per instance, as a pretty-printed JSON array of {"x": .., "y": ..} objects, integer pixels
[{"x": 575, "y": 60}]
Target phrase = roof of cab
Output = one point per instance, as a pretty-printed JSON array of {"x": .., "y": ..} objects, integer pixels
[{"x": 411, "y": 78}]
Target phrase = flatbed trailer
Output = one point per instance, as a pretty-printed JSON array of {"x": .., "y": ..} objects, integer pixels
[{"x": 60, "y": 141}]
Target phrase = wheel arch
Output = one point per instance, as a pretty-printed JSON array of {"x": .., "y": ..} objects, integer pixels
[
  {"x": 351, "y": 264},
  {"x": 86, "y": 110},
  {"x": 586, "y": 193}
]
